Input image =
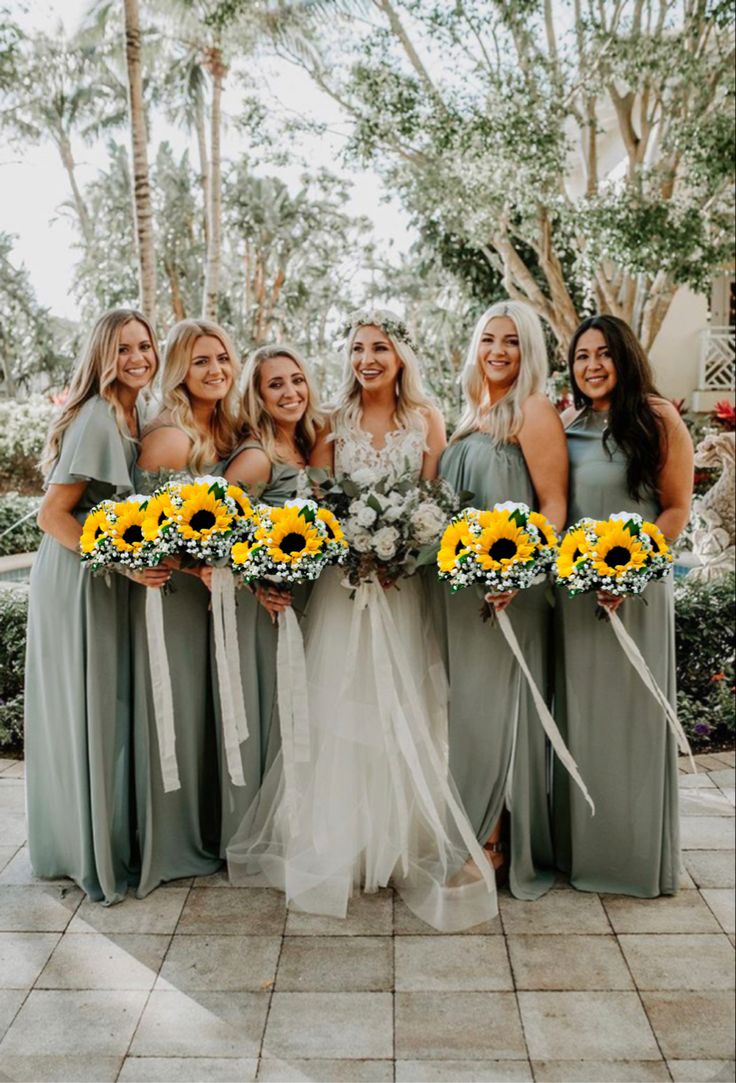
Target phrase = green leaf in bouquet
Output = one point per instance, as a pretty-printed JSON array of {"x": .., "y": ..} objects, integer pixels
[
  {"x": 307, "y": 513},
  {"x": 377, "y": 506},
  {"x": 519, "y": 517},
  {"x": 633, "y": 528},
  {"x": 350, "y": 488},
  {"x": 465, "y": 498},
  {"x": 427, "y": 555},
  {"x": 318, "y": 475}
]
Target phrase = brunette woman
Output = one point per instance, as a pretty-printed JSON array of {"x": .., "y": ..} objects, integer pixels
[
  {"x": 509, "y": 445},
  {"x": 193, "y": 435},
  {"x": 629, "y": 451},
  {"x": 78, "y": 694}
]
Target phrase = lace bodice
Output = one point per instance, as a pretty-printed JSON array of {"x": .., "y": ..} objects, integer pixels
[{"x": 357, "y": 458}]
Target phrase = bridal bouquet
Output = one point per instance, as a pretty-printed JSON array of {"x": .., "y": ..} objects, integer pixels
[
  {"x": 289, "y": 545},
  {"x": 390, "y": 525},
  {"x": 506, "y": 548},
  {"x": 618, "y": 555},
  {"x": 135, "y": 534}
]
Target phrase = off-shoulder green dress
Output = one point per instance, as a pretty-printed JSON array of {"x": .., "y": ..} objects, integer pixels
[
  {"x": 78, "y": 693},
  {"x": 613, "y": 726},
  {"x": 257, "y": 639},
  {"x": 178, "y": 832},
  {"x": 498, "y": 751}
]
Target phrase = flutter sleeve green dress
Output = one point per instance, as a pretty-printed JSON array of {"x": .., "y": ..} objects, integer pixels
[
  {"x": 178, "y": 832},
  {"x": 78, "y": 694},
  {"x": 257, "y": 640},
  {"x": 498, "y": 753},
  {"x": 613, "y": 726}
]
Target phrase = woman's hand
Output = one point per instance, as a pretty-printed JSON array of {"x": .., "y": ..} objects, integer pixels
[
  {"x": 150, "y": 577},
  {"x": 205, "y": 574},
  {"x": 273, "y": 600},
  {"x": 501, "y": 601},
  {"x": 611, "y": 602}
]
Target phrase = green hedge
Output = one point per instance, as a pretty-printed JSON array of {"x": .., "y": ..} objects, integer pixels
[
  {"x": 705, "y": 661},
  {"x": 26, "y": 537},
  {"x": 23, "y": 428}
]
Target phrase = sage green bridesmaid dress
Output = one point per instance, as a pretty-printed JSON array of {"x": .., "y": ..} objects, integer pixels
[
  {"x": 257, "y": 640},
  {"x": 78, "y": 694},
  {"x": 178, "y": 832},
  {"x": 613, "y": 726},
  {"x": 498, "y": 752}
]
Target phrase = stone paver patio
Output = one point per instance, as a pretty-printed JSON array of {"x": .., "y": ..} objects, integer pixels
[{"x": 206, "y": 982}]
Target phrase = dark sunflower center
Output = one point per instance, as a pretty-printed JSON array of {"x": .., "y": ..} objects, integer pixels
[
  {"x": 133, "y": 534},
  {"x": 503, "y": 549},
  {"x": 162, "y": 518},
  {"x": 576, "y": 555},
  {"x": 202, "y": 520},
  {"x": 239, "y": 506},
  {"x": 292, "y": 543},
  {"x": 655, "y": 544},
  {"x": 459, "y": 547},
  {"x": 618, "y": 556},
  {"x": 330, "y": 531},
  {"x": 98, "y": 532}
]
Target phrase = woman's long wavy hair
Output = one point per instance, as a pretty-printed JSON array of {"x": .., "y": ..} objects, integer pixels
[
  {"x": 502, "y": 420},
  {"x": 632, "y": 423},
  {"x": 258, "y": 423},
  {"x": 411, "y": 399},
  {"x": 219, "y": 441},
  {"x": 95, "y": 374}
]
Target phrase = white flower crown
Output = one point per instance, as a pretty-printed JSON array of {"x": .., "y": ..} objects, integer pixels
[{"x": 376, "y": 318}]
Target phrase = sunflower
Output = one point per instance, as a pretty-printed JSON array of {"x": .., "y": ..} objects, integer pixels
[
  {"x": 241, "y": 500},
  {"x": 456, "y": 542},
  {"x": 574, "y": 547},
  {"x": 334, "y": 530},
  {"x": 659, "y": 542},
  {"x": 202, "y": 514},
  {"x": 159, "y": 513},
  {"x": 240, "y": 552},
  {"x": 503, "y": 544},
  {"x": 291, "y": 537},
  {"x": 617, "y": 551},
  {"x": 96, "y": 526},
  {"x": 127, "y": 532},
  {"x": 545, "y": 528}
]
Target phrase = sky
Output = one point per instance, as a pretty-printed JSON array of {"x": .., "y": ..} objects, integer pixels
[{"x": 33, "y": 184}]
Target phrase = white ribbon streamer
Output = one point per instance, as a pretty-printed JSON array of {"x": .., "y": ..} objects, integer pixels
[
  {"x": 163, "y": 702},
  {"x": 227, "y": 659},
  {"x": 291, "y": 677},
  {"x": 637, "y": 660},
  {"x": 548, "y": 723}
]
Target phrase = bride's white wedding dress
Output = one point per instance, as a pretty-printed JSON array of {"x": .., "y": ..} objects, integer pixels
[{"x": 374, "y": 803}]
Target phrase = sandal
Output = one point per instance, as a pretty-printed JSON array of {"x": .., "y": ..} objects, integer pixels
[{"x": 500, "y": 867}]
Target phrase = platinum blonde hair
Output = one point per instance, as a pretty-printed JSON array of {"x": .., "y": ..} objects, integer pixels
[
  {"x": 257, "y": 421},
  {"x": 503, "y": 420},
  {"x": 218, "y": 442},
  {"x": 411, "y": 399},
  {"x": 96, "y": 374}
]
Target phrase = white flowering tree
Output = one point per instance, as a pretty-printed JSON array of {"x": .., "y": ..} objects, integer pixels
[{"x": 584, "y": 148}]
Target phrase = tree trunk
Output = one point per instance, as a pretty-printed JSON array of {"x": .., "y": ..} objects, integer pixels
[
  {"x": 142, "y": 208},
  {"x": 214, "y": 228},
  {"x": 177, "y": 301},
  {"x": 204, "y": 168},
  {"x": 69, "y": 164}
]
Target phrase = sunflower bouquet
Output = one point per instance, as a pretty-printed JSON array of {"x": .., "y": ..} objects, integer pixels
[
  {"x": 135, "y": 533},
  {"x": 619, "y": 555},
  {"x": 290, "y": 544},
  {"x": 206, "y": 517},
  {"x": 506, "y": 548}
]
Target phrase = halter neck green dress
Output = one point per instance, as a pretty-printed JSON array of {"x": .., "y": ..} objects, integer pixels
[
  {"x": 498, "y": 753},
  {"x": 257, "y": 640},
  {"x": 178, "y": 832},
  {"x": 613, "y": 726},
  {"x": 78, "y": 695}
]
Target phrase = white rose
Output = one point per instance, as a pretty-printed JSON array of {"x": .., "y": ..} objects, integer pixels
[
  {"x": 384, "y": 542},
  {"x": 427, "y": 522},
  {"x": 624, "y": 516},
  {"x": 363, "y": 477},
  {"x": 511, "y": 505},
  {"x": 299, "y": 504},
  {"x": 393, "y": 513},
  {"x": 209, "y": 479},
  {"x": 366, "y": 516},
  {"x": 361, "y": 540}
]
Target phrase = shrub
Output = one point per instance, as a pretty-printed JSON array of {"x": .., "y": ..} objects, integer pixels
[
  {"x": 23, "y": 428},
  {"x": 705, "y": 659},
  {"x": 13, "y": 615},
  {"x": 26, "y": 537}
]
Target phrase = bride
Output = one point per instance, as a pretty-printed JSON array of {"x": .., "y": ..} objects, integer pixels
[{"x": 374, "y": 803}]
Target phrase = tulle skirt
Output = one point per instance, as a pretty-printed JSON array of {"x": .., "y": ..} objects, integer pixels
[{"x": 374, "y": 803}]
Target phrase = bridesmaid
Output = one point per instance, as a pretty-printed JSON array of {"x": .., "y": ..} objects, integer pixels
[
  {"x": 281, "y": 421},
  {"x": 629, "y": 451},
  {"x": 509, "y": 445},
  {"x": 193, "y": 435},
  {"x": 78, "y": 696}
]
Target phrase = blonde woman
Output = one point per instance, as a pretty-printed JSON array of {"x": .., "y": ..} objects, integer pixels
[
  {"x": 78, "y": 696},
  {"x": 373, "y": 804},
  {"x": 194, "y": 434},
  {"x": 281, "y": 422},
  {"x": 509, "y": 445}
]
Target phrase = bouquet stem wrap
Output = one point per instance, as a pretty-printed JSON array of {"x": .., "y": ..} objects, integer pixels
[
  {"x": 548, "y": 723},
  {"x": 227, "y": 658},
  {"x": 163, "y": 702},
  {"x": 291, "y": 677},
  {"x": 405, "y": 726},
  {"x": 637, "y": 660}
]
